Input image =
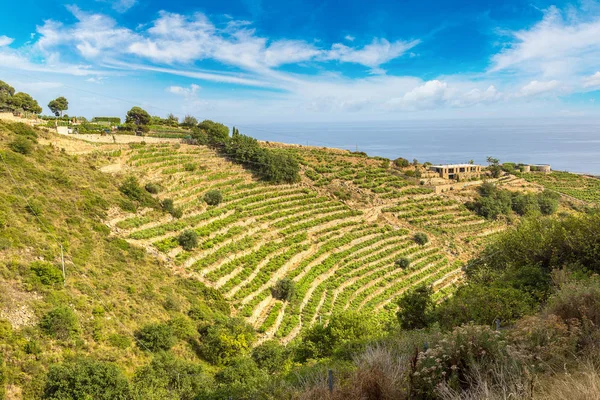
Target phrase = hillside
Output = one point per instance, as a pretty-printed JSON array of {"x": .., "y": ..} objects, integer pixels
[
  {"x": 341, "y": 254},
  {"x": 145, "y": 308}
]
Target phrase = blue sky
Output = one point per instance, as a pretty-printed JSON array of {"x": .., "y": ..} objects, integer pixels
[{"x": 271, "y": 61}]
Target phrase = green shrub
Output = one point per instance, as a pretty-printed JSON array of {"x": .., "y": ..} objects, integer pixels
[
  {"x": 131, "y": 188},
  {"x": 86, "y": 379},
  {"x": 241, "y": 380},
  {"x": 33, "y": 207},
  {"x": 190, "y": 167},
  {"x": 416, "y": 308},
  {"x": 169, "y": 377},
  {"x": 420, "y": 238},
  {"x": 182, "y": 327},
  {"x": 453, "y": 356},
  {"x": 403, "y": 262},
  {"x": 213, "y": 197},
  {"x": 284, "y": 289},
  {"x": 47, "y": 274},
  {"x": 119, "y": 341},
  {"x": 224, "y": 340},
  {"x": 401, "y": 162},
  {"x": 155, "y": 337},
  {"x": 188, "y": 240},
  {"x": 484, "y": 304},
  {"x": 271, "y": 356},
  {"x": 152, "y": 188},
  {"x": 21, "y": 145},
  {"x": 167, "y": 205},
  {"x": 60, "y": 323}
]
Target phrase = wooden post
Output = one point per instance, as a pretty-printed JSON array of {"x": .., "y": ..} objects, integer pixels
[
  {"x": 330, "y": 380},
  {"x": 62, "y": 257}
]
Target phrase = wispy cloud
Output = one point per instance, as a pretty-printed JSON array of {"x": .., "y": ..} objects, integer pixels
[
  {"x": 5, "y": 40},
  {"x": 555, "y": 47},
  {"x": 184, "y": 91},
  {"x": 535, "y": 88}
]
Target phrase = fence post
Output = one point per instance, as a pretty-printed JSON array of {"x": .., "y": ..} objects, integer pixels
[{"x": 330, "y": 380}]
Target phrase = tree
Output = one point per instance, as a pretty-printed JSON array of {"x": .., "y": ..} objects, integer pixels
[
  {"x": 270, "y": 356},
  {"x": 172, "y": 120},
  {"x": 224, "y": 340},
  {"x": 189, "y": 121},
  {"x": 401, "y": 162},
  {"x": 217, "y": 133},
  {"x": 415, "y": 308},
  {"x": 548, "y": 202},
  {"x": 139, "y": 117},
  {"x": 169, "y": 377},
  {"x": 58, "y": 105},
  {"x": 494, "y": 167},
  {"x": 420, "y": 238},
  {"x": 284, "y": 289},
  {"x": 403, "y": 262},
  {"x": 155, "y": 337},
  {"x": 188, "y": 240},
  {"x": 60, "y": 323},
  {"x": 213, "y": 197},
  {"x": 26, "y": 103},
  {"x": 6, "y": 94},
  {"x": 344, "y": 328},
  {"x": 86, "y": 379}
]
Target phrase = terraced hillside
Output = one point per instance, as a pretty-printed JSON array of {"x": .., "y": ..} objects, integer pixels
[
  {"x": 580, "y": 187},
  {"x": 341, "y": 255}
]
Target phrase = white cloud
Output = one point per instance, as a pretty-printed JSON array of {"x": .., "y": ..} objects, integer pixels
[
  {"x": 184, "y": 91},
  {"x": 5, "y": 40},
  {"x": 123, "y": 5},
  {"x": 349, "y": 38},
  {"x": 554, "y": 47},
  {"x": 535, "y": 88},
  {"x": 379, "y": 52},
  {"x": 592, "y": 81}
]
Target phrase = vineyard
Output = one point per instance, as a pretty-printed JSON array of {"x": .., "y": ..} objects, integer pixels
[
  {"x": 341, "y": 251},
  {"x": 580, "y": 187}
]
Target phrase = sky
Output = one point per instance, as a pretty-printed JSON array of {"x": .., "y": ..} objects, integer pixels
[{"x": 248, "y": 61}]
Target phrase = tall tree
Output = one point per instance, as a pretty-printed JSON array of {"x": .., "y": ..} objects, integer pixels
[
  {"x": 138, "y": 116},
  {"x": 26, "y": 103},
  {"x": 58, "y": 105},
  {"x": 6, "y": 94},
  {"x": 189, "y": 121}
]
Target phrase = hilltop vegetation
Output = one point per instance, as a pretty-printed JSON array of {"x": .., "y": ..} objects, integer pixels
[{"x": 225, "y": 268}]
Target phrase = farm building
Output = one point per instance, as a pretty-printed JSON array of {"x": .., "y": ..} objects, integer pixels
[{"x": 457, "y": 171}]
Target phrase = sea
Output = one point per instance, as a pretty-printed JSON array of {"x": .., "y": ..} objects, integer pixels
[{"x": 566, "y": 144}]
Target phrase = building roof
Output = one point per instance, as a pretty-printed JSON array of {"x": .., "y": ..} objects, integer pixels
[{"x": 455, "y": 165}]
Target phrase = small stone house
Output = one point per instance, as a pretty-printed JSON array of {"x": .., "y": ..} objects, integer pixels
[{"x": 457, "y": 171}]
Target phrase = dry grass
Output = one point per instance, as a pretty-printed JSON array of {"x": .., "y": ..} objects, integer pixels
[{"x": 379, "y": 375}]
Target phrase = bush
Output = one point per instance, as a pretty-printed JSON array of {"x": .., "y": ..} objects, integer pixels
[
  {"x": 401, "y": 162},
  {"x": 402, "y": 262},
  {"x": 86, "y": 379},
  {"x": 152, "y": 188},
  {"x": 453, "y": 356},
  {"x": 416, "y": 308},
  {"x": 484, "y": 304},
  {"x": 21, "y": 145},
  {"x": 155, "y": 337},
  {"x": 119, "y": 341},
  {"x": 224, "y": 340},
  {"x": 47, "y": 274},
  {"x": 213, "y": 197},
  {"x": 241, "y": 380},
  {"x": 420, "y": 238},
  {"x": 188, "y": 240},
  {"x": 271, "y": 356},
  {"x": 131, "y": 188},
  {"x": 169, "y": 377},
  {"x": 548, "y": 202},
  {"x": 284, "y": 289},
  {"x": 60, "y": 323},
  {"x": 190, "y": 167}
]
